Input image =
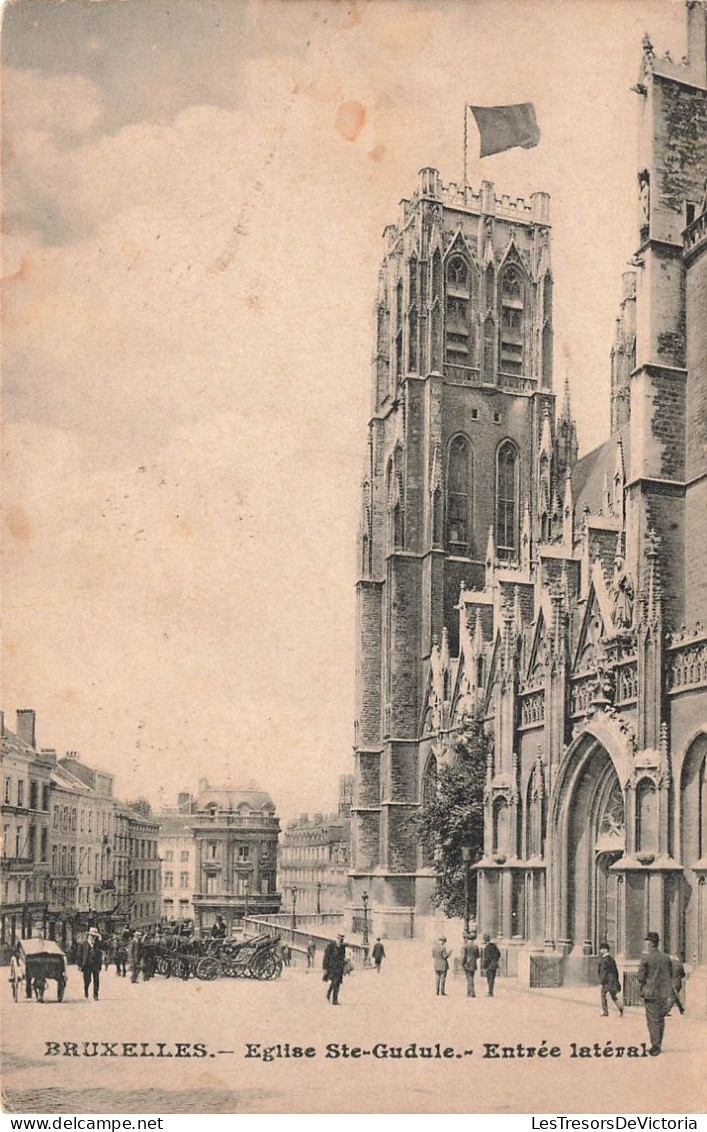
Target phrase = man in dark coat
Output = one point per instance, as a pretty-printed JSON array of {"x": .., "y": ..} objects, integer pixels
[
  {"x": 678, "y": 977},
  {"x": 333, "y": 967},
  {"x": 90, "y": 960},
  {"x": 490, "y": 959},
  {"x": 608, "y": 980},
  {"x": 378, "y": 954},
  {"x": 440, "y": 958},
  {"x": 655, "y": 984},
  {"x": 218, "y": 931},
  {"x": 470, "y": 962}
]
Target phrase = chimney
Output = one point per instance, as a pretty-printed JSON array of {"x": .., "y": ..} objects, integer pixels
[
  {"x": 26, "y": 720},
  {"x": 50, "y": 754}
]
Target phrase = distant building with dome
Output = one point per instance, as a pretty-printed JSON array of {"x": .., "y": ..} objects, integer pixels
[{"x": 236, "y": 833}]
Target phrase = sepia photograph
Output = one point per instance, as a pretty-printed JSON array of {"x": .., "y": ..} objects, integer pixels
[{"x": 354, "y": 572}]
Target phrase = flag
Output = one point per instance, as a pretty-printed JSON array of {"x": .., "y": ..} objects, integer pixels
[{"x": 503, "y": 127}]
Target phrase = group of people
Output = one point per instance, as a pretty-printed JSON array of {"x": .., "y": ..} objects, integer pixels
[
  {"x": 129, "y": 949},
  {"x": 660, "y": 979},
  {"x": 473, "y": 958}
]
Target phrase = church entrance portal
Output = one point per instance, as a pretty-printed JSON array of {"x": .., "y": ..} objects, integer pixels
[{"x": 592, "y": 839}]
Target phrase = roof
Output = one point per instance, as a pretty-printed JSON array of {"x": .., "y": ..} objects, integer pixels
[
  {"x": 65, "y": 780},
  {"x": 172, "y": 825},
  {"x": 134, "y": 815},
  {"x": 40, "y": 947},
  {"x": 13, "y": 745},
  {"x": 589, "y": 472},
  {"x": 235, "y": 799}
]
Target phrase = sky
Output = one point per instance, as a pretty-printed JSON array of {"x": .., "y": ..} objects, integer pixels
[{"x": 194, "y": 196}]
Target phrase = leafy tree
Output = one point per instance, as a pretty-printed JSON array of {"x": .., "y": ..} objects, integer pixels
[{"x": 454, "y": 816}]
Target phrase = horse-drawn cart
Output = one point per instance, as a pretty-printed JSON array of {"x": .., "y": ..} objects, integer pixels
[
  {"x": 34, "y": 962},
  {"x": 208, "y": 959}
]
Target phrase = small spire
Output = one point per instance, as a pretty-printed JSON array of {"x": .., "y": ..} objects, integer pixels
[{"x": 566, "y": 414}]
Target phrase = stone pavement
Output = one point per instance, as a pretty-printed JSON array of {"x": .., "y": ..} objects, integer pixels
[{"x": 377, "y": 1013}]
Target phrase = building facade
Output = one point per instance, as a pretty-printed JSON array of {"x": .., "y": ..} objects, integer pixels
[
  {"x": 563, "y": 598},
  {"x": 24, "y": 865},
  {"x": 236, "y": 835},
  {"x": 144, "y": 865},
  {"x": 177, "y": 850},
  {"x": 314, "y": 862}
]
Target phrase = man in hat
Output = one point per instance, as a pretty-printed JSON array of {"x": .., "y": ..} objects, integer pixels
[
  {"x": 135, "y": 955},
  {"x": 440, "y": 958},
  {"x": 490, "y": 959},
  {"x": 655, "y": 985},
  {"x": 333, "y": 966},
  {"x": 378, "y": 954},
  {"x": 608, "y": 980},
  {"x": 470, "y": 962},
  {"x": 90, "y": 960}
]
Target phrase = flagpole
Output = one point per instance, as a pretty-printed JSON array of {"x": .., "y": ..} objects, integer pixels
[{"x": 466, "y": 131}]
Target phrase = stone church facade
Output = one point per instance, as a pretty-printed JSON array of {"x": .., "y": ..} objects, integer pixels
[{"x": 565, "y": 597}]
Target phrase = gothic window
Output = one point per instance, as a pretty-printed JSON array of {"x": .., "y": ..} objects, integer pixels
[
  {"x": 412, "y": 277},
  {"x": 428, "y": 795},
  {"x": 512, "y": 322},
  {"x": 489, "y": 369},
  {"x": 413, "y": 365},
  {"x": 436, "y": 313},
  {"x": 395, "y": 508},
  {"x": 459, "y": 495},
  {"x": 399, "y": 329},
  {"x": 507, "y": 501},
  {"x": 458, "y": 342},
  {"x": 547, "y": 355},
  {"x": 382, "y": 331},
  {"x": 693, "y": 803}
]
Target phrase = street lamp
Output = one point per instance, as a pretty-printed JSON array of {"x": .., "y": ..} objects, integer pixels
[
  {"x": 319, "y": 897},
  {"x": 364, "y": 898},
  {"x": 293, "y": 890},
  {"x": 246, "y": 890},
  {"x": 466, "y": 858}
]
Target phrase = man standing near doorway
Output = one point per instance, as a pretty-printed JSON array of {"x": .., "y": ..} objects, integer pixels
[
  {"x": 655, "y": 984},
  {"x": 608, "y": 979}
]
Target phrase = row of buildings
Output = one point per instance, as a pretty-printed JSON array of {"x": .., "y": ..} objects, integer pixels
[
  {"x": 73, "y": 854},
  {"x": 564, "y": 598}
]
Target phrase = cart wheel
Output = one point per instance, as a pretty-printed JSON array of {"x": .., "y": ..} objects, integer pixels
[
  {"x": 208, "y": 968},
  {"x": 179, "y": 968},
  {"x": 265, "y": 967},
  {"x": 60, "y": 988}
]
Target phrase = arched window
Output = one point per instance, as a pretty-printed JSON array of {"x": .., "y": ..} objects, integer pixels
[
  {"x": 437, "y": 516},
  {"x": 547, "y": 355},
  {"x": 459, "y": 495},
  {"x": 395, "y": 508},
  {"x": 507, "y": 501},
  {"x": 412, "y": 342},
  {"x": 490, "y": 278},
  {"x": 489, "y": 365},
  {"x": 547, "y": 297},
  {"x": 399, "y": 329},
  {"x": 512, "y": 321},
  {"x": 458, "y": 340},
  {"x": 428, "y": 795},
  {"x": 436, "y": 313}
]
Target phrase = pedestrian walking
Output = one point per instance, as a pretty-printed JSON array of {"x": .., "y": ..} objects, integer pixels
[
  {"x": 655, "y": 985},
  {"x": 135, "y": 956},
  {"x": 678, "y": 978},
  {"x": 286, "y": 954},
  {"x": 120, "y": 956},
  {"x": 470, "y": 962},
  {"x": 107, "y": 953},
  {"x": 440, "y": 957},
  {"x": 378, "y": 954},
  {"x": 490, "y": 959},
  {"x": 90, "y": 960},
  {"x": 608, "y": 980},
  {"x": 333, "y": 964},
  {"x": 311, "y": 952}
]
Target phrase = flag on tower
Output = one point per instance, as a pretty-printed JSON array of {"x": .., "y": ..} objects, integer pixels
[{"x": 504, "y": 127}]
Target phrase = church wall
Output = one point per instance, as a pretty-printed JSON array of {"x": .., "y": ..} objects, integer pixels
[
  {"x": 368, "y": 683},
  {"x": 696, "y": 554},
  {"x": 402, "y": 605},
  {"x": 679, "y": 154}
]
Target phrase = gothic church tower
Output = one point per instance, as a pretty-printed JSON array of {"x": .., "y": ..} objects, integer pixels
[{"x": 464, "y": 471}]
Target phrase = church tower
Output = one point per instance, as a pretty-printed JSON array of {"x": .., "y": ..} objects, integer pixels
[{"x": 463, "y": 467}]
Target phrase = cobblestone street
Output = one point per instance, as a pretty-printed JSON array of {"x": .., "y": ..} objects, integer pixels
[{"x": 396, "y": 1008}]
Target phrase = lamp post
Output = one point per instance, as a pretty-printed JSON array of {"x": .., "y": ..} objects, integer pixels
[
  {"x": 246, "y": 890},
  {"x": 319, "y": 897},
  {"x": 364, "y": 898},
  {"x": 293, "y": 890},
  {"x": 466, "y": 858}
]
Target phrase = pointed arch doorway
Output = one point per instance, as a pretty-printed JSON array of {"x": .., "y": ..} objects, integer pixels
[{"x": 591, "y": 831}]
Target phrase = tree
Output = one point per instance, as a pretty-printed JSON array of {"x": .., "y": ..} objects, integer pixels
[{"x": 453, "y": 815}]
